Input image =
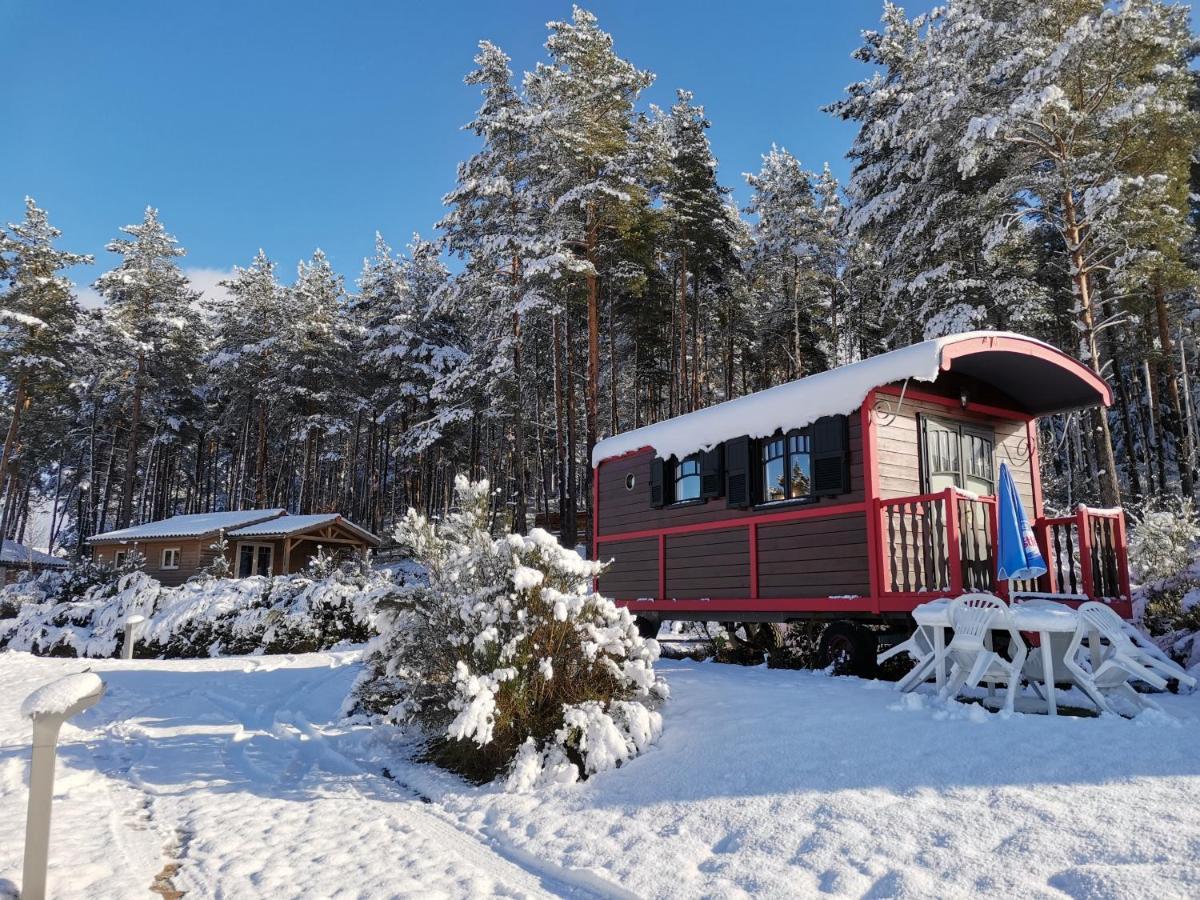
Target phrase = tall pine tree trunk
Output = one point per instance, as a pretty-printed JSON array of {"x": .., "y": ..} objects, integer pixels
[
  {"x": 14, "y": 427},
  {"x": 520, "y": 503},
  {"x": 125, "y": 510},
  {"x": 1181, "y": 433},
  {"x": 560, "y": 437},
  {"x": 260, "y": 459},
  {"x": 1110, "y": 491},
  {"x": 683, "y": 389},
  {"x": 570, "y": 533}
]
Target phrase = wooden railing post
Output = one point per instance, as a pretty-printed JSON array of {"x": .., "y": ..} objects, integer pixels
[
  {"x": 1122, "y": 551},
  {"x": 1085, "y": 551},
  {"x": 953, "y": 554},
  {"x": 884, "y": 550},
  {"x": 1041, "y": 532}
]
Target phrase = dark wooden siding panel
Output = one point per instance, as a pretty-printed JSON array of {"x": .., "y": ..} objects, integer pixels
[
  {"x": 709, "y": 564},
  {"x": 624, "y": 510},
  {"x": 634, "y": 570},
  {"x": 813, "y": 558}
]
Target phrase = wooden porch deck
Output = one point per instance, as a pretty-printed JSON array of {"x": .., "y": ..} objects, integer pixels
[{"x": 946, "y": 543}]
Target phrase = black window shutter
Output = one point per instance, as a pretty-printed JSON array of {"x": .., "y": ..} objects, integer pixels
[
  {"x": 712, "y": 472},
  {"x": 831, "y": 456},
  {"x": 656, "y": 483},
  {"x": 737, "y": 473}
]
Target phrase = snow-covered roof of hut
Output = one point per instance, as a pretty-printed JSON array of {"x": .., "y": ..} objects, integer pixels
[
  {"x": 195, "y": 525},
  {"x": 14, "y": 554},
  {"x": 289, "y": 525},
  {"x": 1039, "y": 378}
]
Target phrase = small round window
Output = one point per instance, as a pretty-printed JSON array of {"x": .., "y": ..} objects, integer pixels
[{"x": 630, "y": 481}]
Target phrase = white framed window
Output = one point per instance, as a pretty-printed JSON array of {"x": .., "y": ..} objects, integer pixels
[
  {"x": 687, "y": 479},
  {"x": 170, "y": 558},
  {"x": 119, "y": 557},
  {"x": 255, "y": 559}
]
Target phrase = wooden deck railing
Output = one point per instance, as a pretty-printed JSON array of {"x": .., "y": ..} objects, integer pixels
[
  {"x": 1086, "y": 553},
  {"x": 946, "y": 542}
]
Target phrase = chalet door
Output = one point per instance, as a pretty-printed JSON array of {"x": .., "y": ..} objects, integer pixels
[{"x": 254, "y": 559}]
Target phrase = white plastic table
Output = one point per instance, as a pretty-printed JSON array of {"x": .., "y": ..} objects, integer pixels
[{"x": 1041, "y": 616}]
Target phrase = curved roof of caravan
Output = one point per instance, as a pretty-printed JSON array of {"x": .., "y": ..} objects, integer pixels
[{"x": 1039, "y": 379}]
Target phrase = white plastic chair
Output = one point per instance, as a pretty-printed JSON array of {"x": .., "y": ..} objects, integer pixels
[
  {"x": 1120, "y": 660},
  {"x": 920, "y": 647},
  {"x": 974, "y": 616},
  {"x": 1153, "y": 658}
]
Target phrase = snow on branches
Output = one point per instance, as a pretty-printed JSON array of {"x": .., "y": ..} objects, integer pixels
[{"x": 506, "y": 658}]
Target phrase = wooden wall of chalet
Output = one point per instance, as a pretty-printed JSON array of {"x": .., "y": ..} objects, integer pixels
[{"x": 194, "y": 556}]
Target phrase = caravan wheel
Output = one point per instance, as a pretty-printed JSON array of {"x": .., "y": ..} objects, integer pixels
[
  {"x": 647, "y": 628},
  {"x": 849, "y": 648}
]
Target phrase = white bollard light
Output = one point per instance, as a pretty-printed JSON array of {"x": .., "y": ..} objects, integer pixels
[
  {"x": 49, "y": 706},
  {"x": 131, "y": 625}
]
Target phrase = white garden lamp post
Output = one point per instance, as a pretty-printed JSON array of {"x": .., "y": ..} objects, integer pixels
[
  {"x": 131, "y": 625},
  {"x": 49, "y": 706}
]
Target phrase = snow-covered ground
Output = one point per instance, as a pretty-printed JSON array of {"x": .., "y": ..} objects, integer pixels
[{"x": 764, "y": 782}]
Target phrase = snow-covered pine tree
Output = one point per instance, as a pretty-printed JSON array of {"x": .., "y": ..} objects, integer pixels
[
  {"x": 153, "y": 310},
  {"x": 791, "y": 258},
  {"x": 38, "y": 337},
  {"x": 244, "y": 365},
  {"x": 703, "y": 231},
  {"x": 496, "y": 224},
  {"x": 583, "y": 100},
  {"x": 316, "y": 346},
  {"x": 947, "y": 268},
  {"x": 1079, "y": 93}
]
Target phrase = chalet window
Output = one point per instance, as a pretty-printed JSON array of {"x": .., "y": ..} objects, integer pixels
[
  {"x": 957, "y": 454},
  {"x": 787, "y": 467},
  {"x": 687, "y": 479},
  {"x": 170, "y": 558},
  {"x": 119, "y": 558},
  {"x": 254, "y": 559}
]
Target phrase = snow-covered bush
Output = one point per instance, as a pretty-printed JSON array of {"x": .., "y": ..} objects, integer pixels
[
  {"x": 1163, "y": 538},
  {"x": 507, "y": 659},
  {"x": 206, "y": 617}
]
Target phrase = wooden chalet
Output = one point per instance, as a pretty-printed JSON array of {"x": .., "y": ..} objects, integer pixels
[
  {"x": 854, "y": 494},
  {"x": 260, "y": 542},
  {"x": 16, "y": 559}
]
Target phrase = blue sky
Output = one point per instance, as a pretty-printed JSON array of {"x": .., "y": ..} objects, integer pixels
[{"x": 296, "y": 125}]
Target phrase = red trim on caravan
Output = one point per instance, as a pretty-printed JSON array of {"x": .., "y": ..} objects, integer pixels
[{"x": 871, "y": 495}]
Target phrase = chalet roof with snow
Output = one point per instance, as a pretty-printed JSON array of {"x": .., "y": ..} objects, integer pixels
[
  {"x": 1039, "y": 379},
  {"x": 288, "y": 526},
  {"x": 197, "y": 525},
  {"x": 14, "y": 555}
]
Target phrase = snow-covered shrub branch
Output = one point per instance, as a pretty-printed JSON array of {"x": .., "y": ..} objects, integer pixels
[
  {"x": 507, "y": 659},
  {"x": 83, "y": 613}
]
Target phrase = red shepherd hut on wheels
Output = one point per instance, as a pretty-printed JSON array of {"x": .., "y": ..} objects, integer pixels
[{"x": 852, "y": 495}]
